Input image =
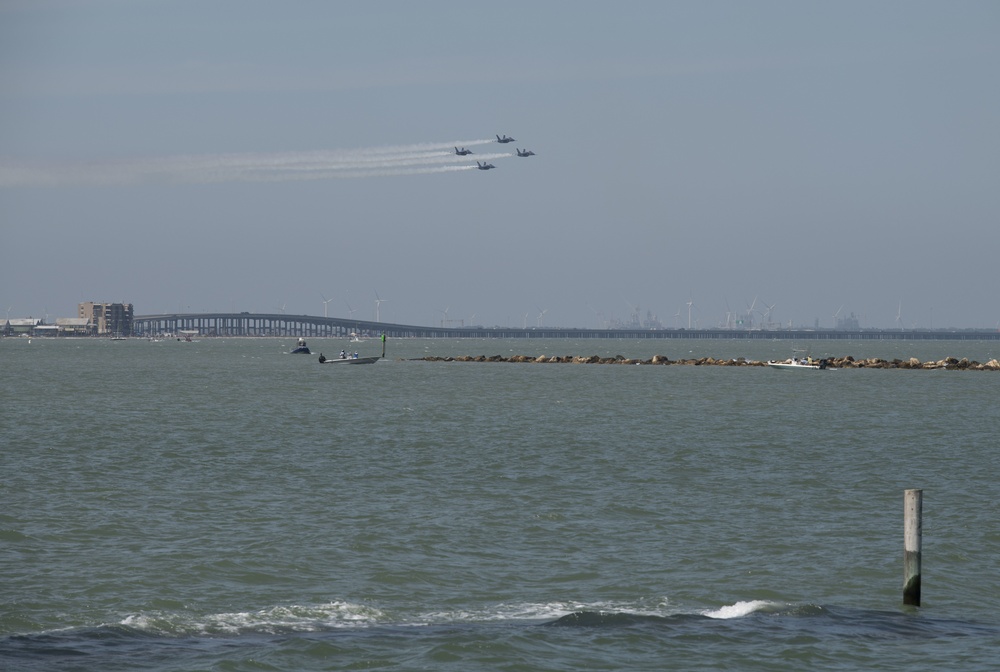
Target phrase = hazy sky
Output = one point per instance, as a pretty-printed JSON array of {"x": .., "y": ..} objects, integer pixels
[{"x": 263, "y": 156}]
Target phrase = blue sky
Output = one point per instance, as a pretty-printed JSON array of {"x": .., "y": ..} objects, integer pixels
[{"x": 813, "y": 157}]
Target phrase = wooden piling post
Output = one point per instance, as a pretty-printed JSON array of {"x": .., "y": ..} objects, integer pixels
[{"x": 913, "y": 504}]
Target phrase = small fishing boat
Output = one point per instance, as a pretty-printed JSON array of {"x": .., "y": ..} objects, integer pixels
[
  {"x": 301, "y": 348},
  {"x": 346, "y": 358},
  {"x": 806, "y": 363}
]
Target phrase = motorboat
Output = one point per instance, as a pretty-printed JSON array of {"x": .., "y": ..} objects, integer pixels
[
  {"x": 346, "y": 358},
  {"x": 300, "y": 348},
  {"x": 806, "y": 363}
]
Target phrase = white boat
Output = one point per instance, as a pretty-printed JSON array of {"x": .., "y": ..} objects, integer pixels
[
  {"x": 807, "y": 363},
  {"x": 348, "y": 360}
]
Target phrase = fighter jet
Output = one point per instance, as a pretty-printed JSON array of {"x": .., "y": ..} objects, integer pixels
[
  {"x": 484, "y": 166},
  {"x": 526, "y": 152},
  {"x": 504, "y": 139},
  {"x": 463, "y": 151}
]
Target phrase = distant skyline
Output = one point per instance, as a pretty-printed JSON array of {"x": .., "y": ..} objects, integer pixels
[
  {"x": 693, "y": 162},
  {"x": 743, "y": 321}
]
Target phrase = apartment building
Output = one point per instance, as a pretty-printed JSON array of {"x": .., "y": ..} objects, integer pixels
[{"x": 114, "y": 319}]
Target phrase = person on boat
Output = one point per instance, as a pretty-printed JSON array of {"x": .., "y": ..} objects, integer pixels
[
  {"x": 355, "y": 355},
  {"x": 321, "y": 358},
  {"x": 343, "y": 354}
]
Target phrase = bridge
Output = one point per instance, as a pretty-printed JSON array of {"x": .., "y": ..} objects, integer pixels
[{"x": 279, "y": 324}]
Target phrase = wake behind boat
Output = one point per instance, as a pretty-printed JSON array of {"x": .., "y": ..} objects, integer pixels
[{"x": 346, "y": 358}]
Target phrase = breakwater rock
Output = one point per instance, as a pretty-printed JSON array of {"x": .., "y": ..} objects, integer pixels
[{"x": 950, "y": 363}]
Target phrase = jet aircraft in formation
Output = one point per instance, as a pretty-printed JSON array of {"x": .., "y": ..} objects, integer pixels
[{"x": 488, "y": 166}]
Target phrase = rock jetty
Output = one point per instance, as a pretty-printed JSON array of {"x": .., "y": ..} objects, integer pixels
[{"x": 950, "y": 363}]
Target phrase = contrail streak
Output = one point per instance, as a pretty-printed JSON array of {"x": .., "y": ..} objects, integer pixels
[{"x": 415, "y": 159}]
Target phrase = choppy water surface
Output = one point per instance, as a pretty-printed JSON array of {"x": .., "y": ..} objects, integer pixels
[{"x": 223, "y": 505}]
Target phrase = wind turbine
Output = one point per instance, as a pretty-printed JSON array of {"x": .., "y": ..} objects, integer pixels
[
  {"x": 326, "y": 303},
  {"x": 836, "y": 316},
  {"x": 378, "y": 303},
  {"x": 767, "y": 314},
  {"x": 541, "y": 314},
  {"x": 729, "y": 314},
  {"x": 350, "y": 311},
  {"x": 445, "y": 322},
  {"x": 750, "y": 313},
  {"x": 899, "y": 315},
  {"x": 524, "y": 321},
  {"x": 690, "y": 303}
]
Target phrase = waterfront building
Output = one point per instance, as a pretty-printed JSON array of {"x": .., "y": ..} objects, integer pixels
[
  {"x": 108, "y": 319},
  {"x": 74, "y": 326},
  {"x": 21, "y": 326}
]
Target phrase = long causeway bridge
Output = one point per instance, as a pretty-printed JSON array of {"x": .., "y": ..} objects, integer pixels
[{"x": 279, "y": 324}]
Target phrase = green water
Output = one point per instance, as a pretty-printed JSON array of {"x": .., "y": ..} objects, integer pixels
[{"x": 223, "y": 505}]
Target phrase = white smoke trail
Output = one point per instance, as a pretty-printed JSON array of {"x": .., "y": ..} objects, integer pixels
[{"x": 413, "y": 159}]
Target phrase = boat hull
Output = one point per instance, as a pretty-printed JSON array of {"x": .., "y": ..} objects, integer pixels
[
  {"x": 349, "y": 360},
  {"x": 344, "y": 359},
  {"x": 789, "y": 366}
]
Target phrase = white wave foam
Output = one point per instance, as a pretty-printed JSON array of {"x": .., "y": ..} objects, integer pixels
[
  {"x": 341, "y": 614},
  {"x": 298, "y": 618},
  {"x": 740, "y": 609},
  {"x": 544, "y": 611}
]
